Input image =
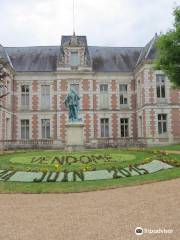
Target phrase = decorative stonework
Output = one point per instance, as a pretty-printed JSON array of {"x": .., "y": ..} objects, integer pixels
[{"x": 74, "y": 135}]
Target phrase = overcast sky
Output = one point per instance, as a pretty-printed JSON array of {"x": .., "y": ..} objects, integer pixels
[{"x": 104, "y": 22}]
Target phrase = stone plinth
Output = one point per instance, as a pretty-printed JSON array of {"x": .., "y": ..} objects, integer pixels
[{"x": 74, "y": 137}]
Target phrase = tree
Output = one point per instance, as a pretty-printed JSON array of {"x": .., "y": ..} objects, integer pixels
[
  {"x": 3, "y": 87},
  {"x": 168, "y": 46}
]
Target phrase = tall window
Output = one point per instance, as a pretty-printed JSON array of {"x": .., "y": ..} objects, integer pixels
[
  {"x": 24, "y": 129},
  {"x": 160, "y": 86},
  {"x": 45, "y": 123},
  {"x": 124, "y": 127},
  {"x": 45, "y": 96},
  {"x": 162, "y": 123},
  {"x": 104, "y": 99},
  {"x": 75, "y": 86},
  {"x": 74, "y": 58},
  {"x": 123, "y": 94},
  {"x": 25, "y": 97},
  {"x": 104, "y": 127}
]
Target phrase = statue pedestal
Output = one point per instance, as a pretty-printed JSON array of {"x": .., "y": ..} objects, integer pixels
[{"x": 74, "y": 137}]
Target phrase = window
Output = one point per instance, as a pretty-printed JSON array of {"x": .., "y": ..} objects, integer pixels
[
  {"x": 123, "y": 94},
  {"x": 160, "y": 85},
  {"x": 25, "y": 97},
  {"x": 24, "y": 129},
  {"x": 124, "y": 127},
  {"x": 74, "y": 58},
  {"x": 45, "y": 123},
  {"x": 104, "y": 99},
  {"x": 103, "y": 88},
  {"x": 45, "y": 97},
  {"x": 75, "y": 86},
  {"x": 104, "y": 127},
  {"x": 123, "y": 88},
  {"x": 162, "y": 123}
]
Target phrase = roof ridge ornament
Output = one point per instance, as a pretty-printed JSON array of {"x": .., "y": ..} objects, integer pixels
[{"x": 74, "y": 42}]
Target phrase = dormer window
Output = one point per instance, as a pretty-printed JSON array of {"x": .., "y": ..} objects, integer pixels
[
  {"x": 74, "y": 58},
  {"x": 74, "y": 54}
]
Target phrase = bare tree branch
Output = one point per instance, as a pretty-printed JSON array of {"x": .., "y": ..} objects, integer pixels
[
  {"x": 3, "y": 75},
  {"x": 1, "y": 96}
]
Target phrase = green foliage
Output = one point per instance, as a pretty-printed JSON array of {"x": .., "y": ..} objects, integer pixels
[{"x": 168, "y": 45}]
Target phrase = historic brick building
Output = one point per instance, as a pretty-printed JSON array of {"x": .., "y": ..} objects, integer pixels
[{"x": 123, "y": 100}]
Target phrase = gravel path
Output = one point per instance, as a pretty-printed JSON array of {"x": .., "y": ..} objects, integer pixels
[{"x": 103, "y": 215}]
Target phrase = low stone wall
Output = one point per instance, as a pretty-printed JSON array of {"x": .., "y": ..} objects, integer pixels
[
  {"x": 92, "y": 144},
  {"x": 32, "y": 144}
]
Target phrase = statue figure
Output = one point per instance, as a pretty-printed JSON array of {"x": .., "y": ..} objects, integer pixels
[{"x": 72, "y": 104}]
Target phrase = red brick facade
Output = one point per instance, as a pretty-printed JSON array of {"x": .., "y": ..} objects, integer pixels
[
  {"x": 175, "y": 113},
  {"x": 95, "y": 125},
  {"x": 94, "y": 102},
  {"x": 34, "y": 86},
  {"x": 140, "y": 85},
  {"x": 86, "y": 102},
  {"x": 14, "y": 127},
  {"x": 114, "y": 100},
  {"x": 35, "y": 102},
  {"x": 175, "y": 96},
  {"x": 62, "y": 127},
  {"x": 35, "y": 127},
  {"x": 152, "y": 123},
  {"x": 63, "y": 85},
  {"x": 114, "y": 125},
  {"x": 85, "y": 85},
  {"x": 87, "y": 127},
  {"x": 54, "y": 126}
]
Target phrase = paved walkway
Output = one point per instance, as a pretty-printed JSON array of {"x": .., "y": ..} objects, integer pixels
[
  {"x": 172, "y": 151},
  {"x": 103, "y": 215}
]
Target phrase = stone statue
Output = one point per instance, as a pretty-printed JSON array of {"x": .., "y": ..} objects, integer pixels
[{"x": 72, "y": 104}]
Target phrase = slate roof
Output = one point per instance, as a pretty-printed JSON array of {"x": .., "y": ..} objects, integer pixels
[
  {"x": 149, "y": 51},
  {"x": 104, "y": 59},
  {"x": 34, "y": 59},
  {"x": 114, "y": 59}
]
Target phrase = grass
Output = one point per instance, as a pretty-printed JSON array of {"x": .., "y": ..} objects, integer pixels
[{"x": 21, "y": 161}]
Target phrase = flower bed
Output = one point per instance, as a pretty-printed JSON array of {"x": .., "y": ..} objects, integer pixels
[{"x": 83, "y": 175}]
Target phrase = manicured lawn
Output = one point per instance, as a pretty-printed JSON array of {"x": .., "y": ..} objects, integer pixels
[{"x": 86, "y": 160}]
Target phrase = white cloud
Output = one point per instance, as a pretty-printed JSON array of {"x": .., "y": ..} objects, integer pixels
[{"x": 114, "y": 23}]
